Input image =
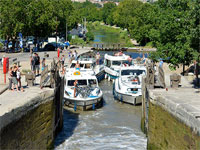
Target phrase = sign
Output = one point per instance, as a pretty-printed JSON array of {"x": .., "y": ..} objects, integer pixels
[
  {"x": 5, "y": 65},
  {"x": 58, "y": 51},
  {"x": 20, "y": 40}
]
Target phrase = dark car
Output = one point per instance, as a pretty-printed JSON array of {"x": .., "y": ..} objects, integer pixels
[
  {"x": 52, "y": 46},
  {"x": 49, "y": 47}
]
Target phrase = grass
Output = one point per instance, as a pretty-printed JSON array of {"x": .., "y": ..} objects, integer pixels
[{"x": 123, "y": 34}]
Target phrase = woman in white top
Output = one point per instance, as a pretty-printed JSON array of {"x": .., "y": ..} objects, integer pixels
[{"x": 19, "y": 79}]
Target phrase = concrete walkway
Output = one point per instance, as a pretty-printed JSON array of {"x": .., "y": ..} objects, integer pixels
[
  {"x": 183, "y": 102},
  {"x": 13, "y": 103}
]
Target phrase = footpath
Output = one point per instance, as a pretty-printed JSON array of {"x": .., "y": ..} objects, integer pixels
[
  {"x": 182, "y": 102},
  {"x": 18, "y": 101}
]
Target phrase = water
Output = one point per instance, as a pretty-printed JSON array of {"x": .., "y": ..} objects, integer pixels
[
  {"x": 100, "y": 36},
  {"x": 115, "y": 126}
]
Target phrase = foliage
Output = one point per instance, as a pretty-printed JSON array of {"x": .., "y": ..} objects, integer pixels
[
  {"x": 89, "y": 36},
  {"x": 107, "y": 13},
  {"x": 77, "y": 41},
  {"x": 36, "y": 18},
  {"x": 1, "y": 45}
]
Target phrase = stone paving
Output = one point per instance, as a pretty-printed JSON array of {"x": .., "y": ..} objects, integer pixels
[
  {"x": 182, "y": 102},
  {"x": 13, "y": 102}
]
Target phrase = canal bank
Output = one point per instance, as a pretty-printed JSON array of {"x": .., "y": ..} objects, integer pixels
[
  {"x": 115, "y": 126},
  {"x": 31, "y": 119},
  {"x": 171, "y": 116}
]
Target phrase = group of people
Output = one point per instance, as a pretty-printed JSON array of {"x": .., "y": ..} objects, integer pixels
[
  {"x": 72, "y": 55},
  {"x": 15, "y": 79},
  {"x": 35, "y": 63}
]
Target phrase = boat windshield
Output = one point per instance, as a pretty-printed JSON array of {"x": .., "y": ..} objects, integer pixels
[
  {"x": 72, "y": 65},
  {"x": 92, "y": 81},
  {"x": 116, "y": 63},
  {"x": 80, "y": 82},
  {"x": 87, "y": 66},
  {"x": 132, "y": 72}
]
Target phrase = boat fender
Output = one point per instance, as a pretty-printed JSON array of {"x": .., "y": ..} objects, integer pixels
[
  {"x": 74, "y": 106},
  {"x": 93, "y": 106}
]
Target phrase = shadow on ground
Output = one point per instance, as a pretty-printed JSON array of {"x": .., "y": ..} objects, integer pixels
[{"x": 69, "y": 124}]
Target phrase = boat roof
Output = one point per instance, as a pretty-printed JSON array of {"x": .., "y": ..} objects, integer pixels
[
  {"x": 116, "y": 58},
  {"x": 80, "y": 75},
  {"x": 83, "y": 61},
  {"x": 134, "y": 67}
]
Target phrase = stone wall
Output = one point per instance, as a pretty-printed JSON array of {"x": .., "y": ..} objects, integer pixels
[
  {"x": 32, "y": 131},
  {"x": 31, "y": 126},
  {"x": 35, "y": 124},
  {"x": 165, "y": 132}
]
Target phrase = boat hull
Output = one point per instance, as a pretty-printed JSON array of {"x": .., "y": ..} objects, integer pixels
[
  {"x": 134, "y": 100},
  {"x": 84, "y": 105}
]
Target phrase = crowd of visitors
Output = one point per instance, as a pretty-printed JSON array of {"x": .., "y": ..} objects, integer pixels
[
  {"x": 14, "y": 77},
  {"x": 35, "y": 64}
]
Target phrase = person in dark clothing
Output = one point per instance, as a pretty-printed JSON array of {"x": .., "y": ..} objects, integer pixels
[
  {"x": 14, "y": 78},
  {"x": 36, "y": 63}
]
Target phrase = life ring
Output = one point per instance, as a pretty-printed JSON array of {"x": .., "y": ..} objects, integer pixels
[{"x": 77, "y": 73}]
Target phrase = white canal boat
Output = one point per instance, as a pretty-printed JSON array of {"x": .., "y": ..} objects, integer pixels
[
  {"x": 84, "y": 95},
  {"x": 128, "y": 87},
  {"x": 112, "y": 65},
  {"x": 87, "y": 63}
]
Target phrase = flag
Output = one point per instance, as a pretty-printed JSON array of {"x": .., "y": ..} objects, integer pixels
[{"x": 20, "y": 40}]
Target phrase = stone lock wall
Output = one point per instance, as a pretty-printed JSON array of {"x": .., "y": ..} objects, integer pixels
[
  {"x": 32, "y": 131},
  {"x": 165, "y": 132}
]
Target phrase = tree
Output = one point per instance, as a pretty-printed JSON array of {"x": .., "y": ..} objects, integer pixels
[
  {"x": 172, "y": 36},
  {"x": 107, "y": 12}
]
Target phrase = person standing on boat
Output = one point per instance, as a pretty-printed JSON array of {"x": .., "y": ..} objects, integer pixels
[
  {"x": 130, "y": 60},
  {"x": 75, "y": 86},
  {"x": 63, "y": 60},
  {"x": 75, "y": 54},
  {"x": 97, "y": 58},
  {"x": 161, "y": 63},
  {"x": 77, "y": 66}
]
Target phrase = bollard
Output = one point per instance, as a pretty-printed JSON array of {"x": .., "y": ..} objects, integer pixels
[
  {"x": 74, "y": 106},
  {"x": 93, "y": 106},
  {"x": 121, "y": 99}
]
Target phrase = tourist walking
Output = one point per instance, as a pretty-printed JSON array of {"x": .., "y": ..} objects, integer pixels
[
  {"x": 63, "y": 60},
  {"x": 161, "y": 63},
  {"x": 14, "y": 78},
  {"x": 31, "y": 63},
  {"x": 10, "y": 78},
  {"x": 75, "y": 55},
  {"x": 37, "y": 64},
  {"x": 97, "y": 58},
  {"x": 19, "y": 79},
  {"x": 43, "y": 64}
]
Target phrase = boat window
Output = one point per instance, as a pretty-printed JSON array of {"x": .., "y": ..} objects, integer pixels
[
  {"x": 132, "y": 72},
  {"x": 70, "y": 82},
  {"x": 116, "y": 63},
  {"x": 72, "y": 65},
  {"x": 92, "y": 82},
  {"x": 87, "y": 66},
  {"x": 107, "y": 63},
  {"x": 81, "y": 65},
  {"x": 80, "y": 82}
]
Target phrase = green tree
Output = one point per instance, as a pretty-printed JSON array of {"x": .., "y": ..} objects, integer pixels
[
  {"x": 107, "y": 13},
  {"x": 173, "y": 40}
]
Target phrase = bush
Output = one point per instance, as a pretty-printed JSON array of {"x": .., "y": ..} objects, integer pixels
[
  {"x": 1, "y": 45},
  {"x": 89, "y": 36},
  {"x": 77, "y": 41}
]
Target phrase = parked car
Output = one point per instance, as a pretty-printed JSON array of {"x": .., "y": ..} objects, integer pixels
[{"x": 52, "y": 46}]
